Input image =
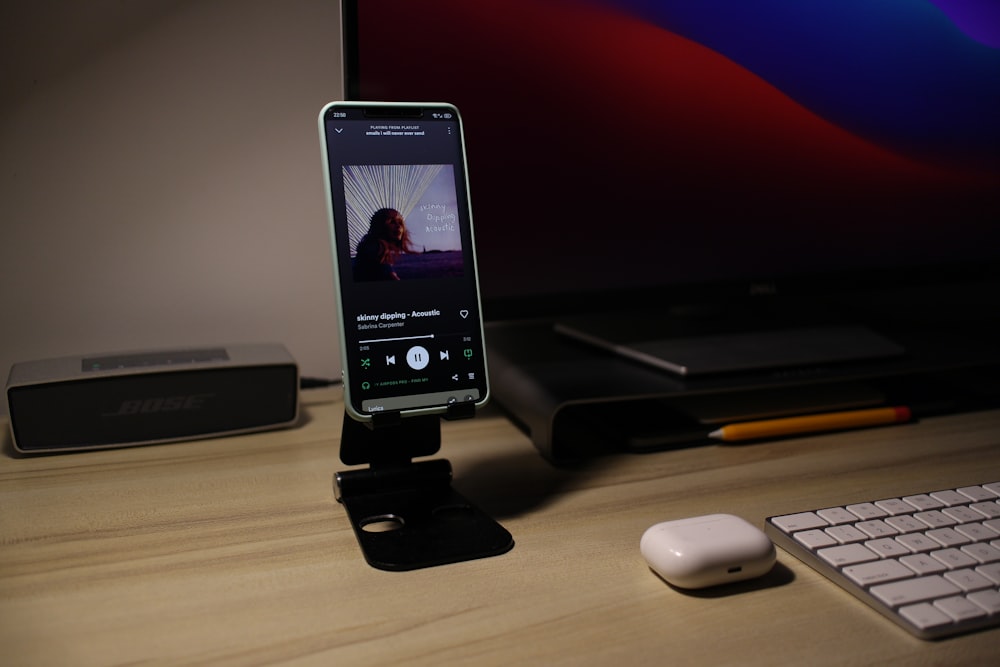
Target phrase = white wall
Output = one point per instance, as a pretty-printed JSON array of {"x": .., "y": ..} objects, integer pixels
[{"x": 160, "y": 181}]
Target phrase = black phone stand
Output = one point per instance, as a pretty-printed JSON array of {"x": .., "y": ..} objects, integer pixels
[{"x": 405, "y": 514}]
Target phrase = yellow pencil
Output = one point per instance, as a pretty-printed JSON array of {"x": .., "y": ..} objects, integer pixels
[{"x": 831, "y": 421}]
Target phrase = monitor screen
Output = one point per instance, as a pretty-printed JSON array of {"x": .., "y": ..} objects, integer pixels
[{"x": 625, "y": 149}]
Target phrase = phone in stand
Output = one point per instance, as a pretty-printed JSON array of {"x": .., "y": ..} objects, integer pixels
[{"x": 404, "y": 258}]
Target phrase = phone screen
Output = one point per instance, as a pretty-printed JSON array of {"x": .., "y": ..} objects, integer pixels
[{"x": 404, "y": 258}]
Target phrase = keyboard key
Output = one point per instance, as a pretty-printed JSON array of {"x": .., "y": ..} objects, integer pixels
[
  {"x": 991, "y": 571},
  {"x": 906, "y": 523},
  {"x": 846, "y": 534},
  {"x": 984, "y": 553},
  {"x": 894, "y": 506},
  {"x": 925, "y": 616},
  {"x": 791, "y": 523},
  {"x": 837, "y": 515},
  {"x": 917, "y": 542},
  {"x": 953, "y": 559},
  {"x": 976, "y": 532},
  {"x": 923, "y": 502},
  {"x": 814, "y": 539},
  {"x": 988, "y": 600},
  {"x": 866, "y": 511},
  {"x": 909, "y": 591},
  {"x": 887, "y": 548},
  {"x": 993, "y": 487},
  {"x": 968, "y": 580},
  {"x": 976, "y": 493},
  {"x": 991, "y": 510},
  {"x": 947, "y": 537},
  {"x": 935, "y": 519},
  {"x": 962, "y": 514},
  {"x": 880, "y": 571},
  {"x": 959, "y": 608},
  {"x": 949, "y": 498},
  {"x": 923, "y": 564},
  {"x": 876, "y": 528},
  {"x": 847, "y": 554}
]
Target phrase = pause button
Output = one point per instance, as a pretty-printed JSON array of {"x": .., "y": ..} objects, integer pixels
[{"x": 417, "y": 358}]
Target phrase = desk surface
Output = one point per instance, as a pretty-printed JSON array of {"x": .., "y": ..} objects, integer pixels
[{"x": 234, "y": 551}]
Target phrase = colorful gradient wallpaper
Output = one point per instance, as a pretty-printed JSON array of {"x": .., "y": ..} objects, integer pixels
[{"x": 630, "y": 143}]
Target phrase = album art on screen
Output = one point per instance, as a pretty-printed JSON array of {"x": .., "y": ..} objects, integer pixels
[{"x": 402, "y": 222}]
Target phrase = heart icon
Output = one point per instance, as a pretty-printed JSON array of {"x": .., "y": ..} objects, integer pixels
[{"x": 464, "y": 313}]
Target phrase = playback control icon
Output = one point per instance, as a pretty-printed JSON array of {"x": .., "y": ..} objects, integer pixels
[{"x": 417, "y": 358}]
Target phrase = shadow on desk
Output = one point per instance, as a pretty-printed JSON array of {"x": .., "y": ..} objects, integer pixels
[
  {"x": 521, "y": 482},
  {"x": 7, "y": 443}
]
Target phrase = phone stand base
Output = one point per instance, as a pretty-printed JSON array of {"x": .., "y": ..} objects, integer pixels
[{"x": 405, "y": 514}]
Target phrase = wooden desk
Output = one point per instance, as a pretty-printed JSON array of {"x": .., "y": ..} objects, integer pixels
[{"x": 234, "y": 551}]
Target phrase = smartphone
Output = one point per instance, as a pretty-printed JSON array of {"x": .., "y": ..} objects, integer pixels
[{"x": 404, "y": 258}]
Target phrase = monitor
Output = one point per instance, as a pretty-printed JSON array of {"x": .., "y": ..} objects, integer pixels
[
  {"x": 628, "y": 150},
  {"x": 707, "y": 160}
]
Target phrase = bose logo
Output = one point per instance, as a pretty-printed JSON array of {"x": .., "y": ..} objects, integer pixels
[{"x": 148, "y": 406}]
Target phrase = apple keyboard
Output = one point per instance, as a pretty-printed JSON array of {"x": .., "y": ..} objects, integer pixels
[{"x": 930, "y": 562}]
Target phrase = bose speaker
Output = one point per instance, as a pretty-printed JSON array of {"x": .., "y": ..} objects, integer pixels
[{"x": 142, "y": 398}]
